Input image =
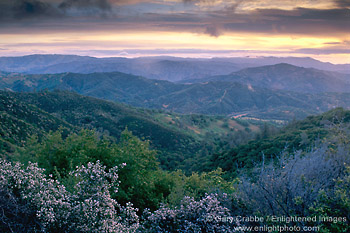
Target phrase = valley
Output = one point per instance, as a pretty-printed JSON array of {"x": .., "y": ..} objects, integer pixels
[{"x": 262, "y": 93}]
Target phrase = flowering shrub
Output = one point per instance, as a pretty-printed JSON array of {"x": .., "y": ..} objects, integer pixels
[
  {"x": 87, "y": 208},
  {"x": 205, "y": 215},
  {"x": 46, "y": 197}
]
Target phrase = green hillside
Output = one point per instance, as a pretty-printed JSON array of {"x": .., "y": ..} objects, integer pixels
[
  {"x": 178, "y": 138},
  {"x": 287, "y": 77},
  {"x": 79, "y": 170},
  {"x": 299, "y": 135},
  {"x": 214, "y": 98},
  {"x": 21, "y": 120}
]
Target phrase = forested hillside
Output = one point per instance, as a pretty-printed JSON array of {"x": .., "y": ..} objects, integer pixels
[
  {"x": 178, "y": 138},
  {"x": 289, "y": 78},
  {"x": 297, "y": 136},
  {"x": 225, "y": 98},
  {"x": 19, "y": 121},
  {"x": 75, "y": 168}
]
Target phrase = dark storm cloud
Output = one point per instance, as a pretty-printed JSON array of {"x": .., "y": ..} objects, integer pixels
[
  {"x": 303, "y": 21},
  {"x": 19, "y": 9},
  {"x": 342, "y": 3},
  {"x": 99, "y": 4},
  {"x": 32, "y": 8},
  {"x": 213, "y": 31},
  {"x": 317, "y": 21},
  {"x": 194, "y": 1},
  {"x": 276, "y": 21}
]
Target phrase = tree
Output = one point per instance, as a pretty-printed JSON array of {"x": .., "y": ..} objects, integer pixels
[{"x": 142, "y": 182}]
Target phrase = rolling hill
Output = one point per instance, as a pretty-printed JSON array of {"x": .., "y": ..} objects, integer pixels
[
  {"x": 287, "y": 77},
  {"x": 163, "y": 68},
  {"x": 225, "y": 98},
  {"x": 177, "y": 138},
  {"x": 299, "y": 135}
]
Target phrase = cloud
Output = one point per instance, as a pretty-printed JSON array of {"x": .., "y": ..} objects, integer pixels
[
  {"x": 195, "y": 1},
  {"x": 99, "y": 4},
  {"x": 18, "y": 9},
  {"x": 212, "y": 30},
  {"x": 214, "y": 22},
  {"x": 31, "y": 7},
  {"x": 302, "y": 21},
  {"x": 24, "y": 9},
  {"x": 342, "y": 47},
  {"x": 271, "y": 21},
  {"x": 342, "y": 3},
  {"x": 322, "y": 51}
]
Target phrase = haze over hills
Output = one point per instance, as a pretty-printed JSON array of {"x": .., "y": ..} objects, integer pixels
[
  {"x": 164, "y": 68},
  {"x": 227, "y": 98},
  {"x": 274, "y": 91},
  {"x": 306, "y": 62},
  {"x": 287, "y": 77}
]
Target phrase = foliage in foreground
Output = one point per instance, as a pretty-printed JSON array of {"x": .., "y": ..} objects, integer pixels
[
  {"x": 60, "y": 155},
  {"x": 142, "y": 182},
  {"x": 81, "y": 194},
  {"x": 316, "y": 184},
  {"x": 34, "y": 202},
  {"x": 190, "y": 216},
  {"x": 52, "y": 208}
]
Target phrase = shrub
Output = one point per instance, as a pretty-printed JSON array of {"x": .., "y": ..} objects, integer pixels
[
  {"x": 53, "y": 208},
  {"x": 205, "y": 215},
  {"x": 275, "y": 188},
  {"x": 314, "y": 184}
]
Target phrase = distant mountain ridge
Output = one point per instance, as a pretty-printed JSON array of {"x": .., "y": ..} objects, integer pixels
[
  {"x": 306, "y": 62},
  {"x": 226, "y": 98},
  {"x": 164, "y": 68},
  {"x": 284, "y": 76}
]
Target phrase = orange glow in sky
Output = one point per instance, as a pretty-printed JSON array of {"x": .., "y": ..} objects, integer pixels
[{"x": 216, "y": 28}]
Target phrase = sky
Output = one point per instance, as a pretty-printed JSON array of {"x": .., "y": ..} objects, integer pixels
[{"x": 187, "y": 28}]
